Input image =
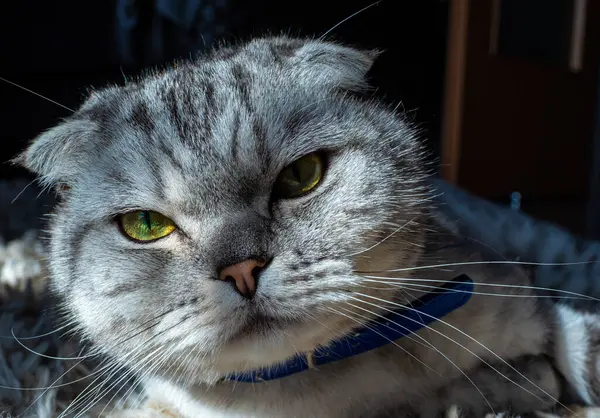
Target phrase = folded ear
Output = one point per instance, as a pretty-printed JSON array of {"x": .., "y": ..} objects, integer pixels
[
  {"x": 56, "y": 154},
  {"x": 326, "y": 63},
  {"x": 335, "y": 65}
]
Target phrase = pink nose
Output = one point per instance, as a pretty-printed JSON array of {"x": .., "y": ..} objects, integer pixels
[{"x": 243, "y": 275}]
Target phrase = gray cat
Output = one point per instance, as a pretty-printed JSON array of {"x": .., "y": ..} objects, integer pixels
[{"x": 251, "y": 206}]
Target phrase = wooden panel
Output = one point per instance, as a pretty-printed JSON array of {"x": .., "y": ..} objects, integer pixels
[
  {"x": 525, "y": 124},
  {"x": 454, "y": 89}
]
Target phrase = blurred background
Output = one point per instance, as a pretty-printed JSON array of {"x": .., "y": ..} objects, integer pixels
[{"x": 506, "y": 91}]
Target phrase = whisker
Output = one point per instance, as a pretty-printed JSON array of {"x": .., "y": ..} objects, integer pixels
[
  {"x": 23, "y": 190},
  {"x": 125, "y": 398},
  {"x": 37, "y": 94},
  {"x": 455, "y": 342},
  {"x": 348, "y": 18},
  {"x": 182, "y": 364},
  {"x": 45, "y": 355},
  {"x": 162, "y": 357},
  {"x": 383, "y": 240},
  {"x": 409, "y": 337},
  {"x": 6, "y": 337},
  {"x": 121, "y": 366},
  {"x": 94, "y": 355},
  {"x": 362, "y": 324},
  {"x": 132, "y": 365},
  {"x": 103, "y": 369},
  {"x": 461, "y": 345},
  {"x": 198, "y": 358},
  {"x": 114, "y": 368},
  {"x": 546, "y": 289},
  {"x": 159, "y": 363},
  {"x": 45, "y": 390},
  {"x": 471, "y": 292},
  {"x": 185, "y": 363},
  {"x": 101, "y": 393},
  {"x": 54, "y": 386},
  {"x": 472, "y": 263},
  {"x": 434, "y": 348},
  {"x": 410, "y": 303}
]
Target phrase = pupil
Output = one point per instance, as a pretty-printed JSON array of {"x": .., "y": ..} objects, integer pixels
[
  {"x": 147, "y": 220},
  {"x": 296, "y": 172}
]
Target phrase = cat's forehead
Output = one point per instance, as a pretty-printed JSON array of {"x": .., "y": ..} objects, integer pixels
[
  {"x": 249, "y": 104},
  {"x": 272, "y": 84},
  {"x": 203, "y": 122},
  {"x": 223, "y": 124},
  {"x": 228, "y": 123}
]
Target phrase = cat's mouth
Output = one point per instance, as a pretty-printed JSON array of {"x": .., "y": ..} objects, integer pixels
[{"x": 259, "y": 324}]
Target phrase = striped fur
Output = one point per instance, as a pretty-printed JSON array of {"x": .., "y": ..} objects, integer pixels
[
  {"x": 203, "y": 143},
  {"x": 517, "y": 236}
]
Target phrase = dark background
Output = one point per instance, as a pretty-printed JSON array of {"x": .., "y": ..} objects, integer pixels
[
  {"x": 527, "y": 122},
  {"x": 59, "y": 48}
]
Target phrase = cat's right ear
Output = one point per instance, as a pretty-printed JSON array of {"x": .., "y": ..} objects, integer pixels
[
  {"x": 333, "y": 65},
  {"x": 58, "y": 154}
]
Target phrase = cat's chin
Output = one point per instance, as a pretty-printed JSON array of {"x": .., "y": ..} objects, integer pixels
[
  {"x": 262, "y": 326},
  {"x": 266, "y": 341},
  {"x": 256, "y": 345}
]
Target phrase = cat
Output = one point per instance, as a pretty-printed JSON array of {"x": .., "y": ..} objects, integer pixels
[
  {"x": 562, "y": 262},
  {"x": 226, "y": 214}
]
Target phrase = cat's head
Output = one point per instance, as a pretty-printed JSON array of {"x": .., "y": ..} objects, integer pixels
[{"x": 260, "y": 156}]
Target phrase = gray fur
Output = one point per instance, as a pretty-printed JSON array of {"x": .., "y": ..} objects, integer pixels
[
  {"x": 202, "y": 143},
  {"x": 571, "y": 262}
]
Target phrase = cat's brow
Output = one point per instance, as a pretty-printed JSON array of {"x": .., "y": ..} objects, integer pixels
[{"x": 37, "y": 94}]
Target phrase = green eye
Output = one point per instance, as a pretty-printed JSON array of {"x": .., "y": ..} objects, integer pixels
[
  {"x": 300, "y": 177},
  {"x": 145, "y": 225}
]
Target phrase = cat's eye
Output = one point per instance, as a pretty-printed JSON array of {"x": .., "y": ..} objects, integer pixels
[
  {"x": 300, "y": 177},
  {"x": 145, "y": 225}
]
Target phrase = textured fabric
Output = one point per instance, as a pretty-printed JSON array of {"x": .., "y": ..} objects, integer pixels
[
  {"x": 23, "y": 206},
  {"x": 39, "y": 376}
]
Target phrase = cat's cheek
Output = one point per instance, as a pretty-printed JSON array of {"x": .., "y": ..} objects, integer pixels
[{"x": 92, "y": 313}]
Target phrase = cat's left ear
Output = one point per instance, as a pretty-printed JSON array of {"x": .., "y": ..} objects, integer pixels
[
  {"x": 56, "y": 155},
  {"x": 334, "y": 65}
]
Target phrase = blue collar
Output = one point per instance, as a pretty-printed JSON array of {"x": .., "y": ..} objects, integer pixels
[{"x": 398, "y": 323}]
